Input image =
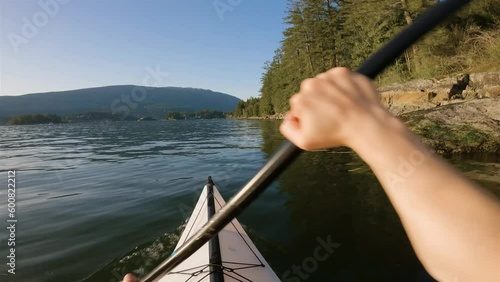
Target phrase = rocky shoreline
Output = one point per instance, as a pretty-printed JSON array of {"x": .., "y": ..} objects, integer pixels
[
  {"x": 468, "y": 127},
  {"x": 453, "y": 115},
  {"x": 456, "y": 114},
  {"x": 424, "y": 94}
]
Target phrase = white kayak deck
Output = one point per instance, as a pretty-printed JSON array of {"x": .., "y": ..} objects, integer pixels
[{"x": 241, "y": 260}]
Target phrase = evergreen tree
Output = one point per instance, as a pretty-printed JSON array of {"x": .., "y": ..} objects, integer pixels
[{"x": 322, "y": 34}]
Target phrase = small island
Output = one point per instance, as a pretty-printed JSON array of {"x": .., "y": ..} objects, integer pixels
[
  {"x": 204, "y": 114},
  {"x": 28, "y": 119},
  {"x": 97, "y": 116},
  {"x": 35, "y": 119}
]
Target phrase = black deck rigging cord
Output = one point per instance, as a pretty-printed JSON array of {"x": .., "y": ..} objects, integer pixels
[{"x": 288, "y": 152}]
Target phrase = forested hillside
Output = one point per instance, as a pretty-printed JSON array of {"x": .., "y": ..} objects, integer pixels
[
  {"x": 124, "y": 100},
  {"x": 322, "y": 34}
]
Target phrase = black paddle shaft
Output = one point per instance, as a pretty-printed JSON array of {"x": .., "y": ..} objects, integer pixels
[{"x": 288, "y": 152}]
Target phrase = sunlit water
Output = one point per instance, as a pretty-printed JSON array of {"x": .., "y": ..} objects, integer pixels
[{"x": 97, "y": 200}]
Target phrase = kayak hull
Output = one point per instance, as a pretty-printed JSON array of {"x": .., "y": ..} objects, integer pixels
[{"x": 229, "y": 256}]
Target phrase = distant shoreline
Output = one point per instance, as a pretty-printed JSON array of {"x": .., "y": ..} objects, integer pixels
[
  {"x": 269, "y": 117},
  {"x": 460, "y": 127}
]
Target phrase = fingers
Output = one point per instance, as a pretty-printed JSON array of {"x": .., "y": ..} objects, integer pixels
[
  {"x": 330, "y": 109},
  {"x": 130, "y": 278},
  {"x": 366, "y": 87},
  {"x": 290, "y": 128},
  {"x": 344, "y": 80},
  {"x": 298, "y": 102},
  {"x": 316, "y": 86},
  {"x": 335, "y": 73}
]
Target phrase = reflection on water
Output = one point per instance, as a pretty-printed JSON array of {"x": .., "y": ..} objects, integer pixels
[
  {"x": 482, "y": 168},
  {"x": 334, "y": 194},
  {"x": 88, "y": 194}
]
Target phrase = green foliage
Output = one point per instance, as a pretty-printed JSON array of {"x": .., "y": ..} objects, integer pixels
[
  {"x": 322, "y": 34},
  {"x": 34, "y": 119},
  {"x": 209, "y": 114},
  {"x": 97, "y": 116},
  {"x": 203, "y": 114},
  {"x": 248, "y": 108},
  {"x": 447, "y": 139},
  {"x": 465, "y": 135}
]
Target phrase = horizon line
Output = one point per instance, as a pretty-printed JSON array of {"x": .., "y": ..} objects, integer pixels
[{"x": 115, "y": 85}]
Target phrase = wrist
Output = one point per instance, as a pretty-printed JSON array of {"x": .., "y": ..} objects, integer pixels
[{"x": 383, "y": 134}]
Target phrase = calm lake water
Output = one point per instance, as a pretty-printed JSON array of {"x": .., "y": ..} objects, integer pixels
[{"x": 97, "y": 200}]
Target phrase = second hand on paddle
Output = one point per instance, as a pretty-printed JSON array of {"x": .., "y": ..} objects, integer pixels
[{"x": 289, "y": 152}]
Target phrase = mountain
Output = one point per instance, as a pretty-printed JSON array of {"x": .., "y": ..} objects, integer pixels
[{"x": 123, "y": 99}]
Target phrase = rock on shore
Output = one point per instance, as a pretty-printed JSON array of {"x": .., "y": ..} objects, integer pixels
[
  {"x": 469, "y": 127},
  {"x": 456, "y": 114},
  {"x": 423, "y": 94}
]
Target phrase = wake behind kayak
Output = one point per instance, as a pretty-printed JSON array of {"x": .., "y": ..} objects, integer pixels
[
  {"x": 239, "y": 260},
  {"x": 140, "y": 260}
]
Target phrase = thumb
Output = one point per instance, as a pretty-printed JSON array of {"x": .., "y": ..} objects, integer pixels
[
  {"x": 290, "y": 128},
  {"x": 130, "y": 278}
]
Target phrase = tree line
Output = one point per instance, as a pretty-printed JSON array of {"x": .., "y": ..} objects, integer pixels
[
  {"x": 322, "y": 34},
  {"x": 104, "y": 116},
  {"x": 34, "y": 119},
  {"x": 203, "y": 114}
]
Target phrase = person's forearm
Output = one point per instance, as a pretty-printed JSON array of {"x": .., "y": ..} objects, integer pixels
[{"x": 453, "y": 226}]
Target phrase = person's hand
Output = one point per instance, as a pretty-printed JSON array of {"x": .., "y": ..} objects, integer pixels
[
  {"x": 130, "y": 278},
  {"x": 336, "y": 108}
]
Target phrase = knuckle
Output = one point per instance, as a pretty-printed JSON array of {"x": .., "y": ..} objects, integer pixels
[
  {"x": 296, "y": 100},
  {"x": 308, "y": 84},
  {"x": 323, "y": 75},
  {"x": 299, "y": 142},
  {"x": 306, "y": 145},
  {"x": 340, "y": 71},
  {"x": 303, "y": 141},
  {"x": 283, "y": 129},
  {"x": 363, "y": 80}
]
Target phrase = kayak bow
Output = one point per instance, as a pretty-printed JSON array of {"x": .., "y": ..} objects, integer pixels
[{"x": 228, "y": 256}]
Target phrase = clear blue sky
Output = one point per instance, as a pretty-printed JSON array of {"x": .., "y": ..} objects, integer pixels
[{"x": 96, "y": 43}]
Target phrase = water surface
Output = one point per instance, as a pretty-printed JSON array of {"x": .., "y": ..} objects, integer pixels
[{"x": 99, "y": 199}]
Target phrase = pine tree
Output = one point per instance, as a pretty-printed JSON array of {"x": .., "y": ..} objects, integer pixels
[{"x": 322, "y": 34}]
